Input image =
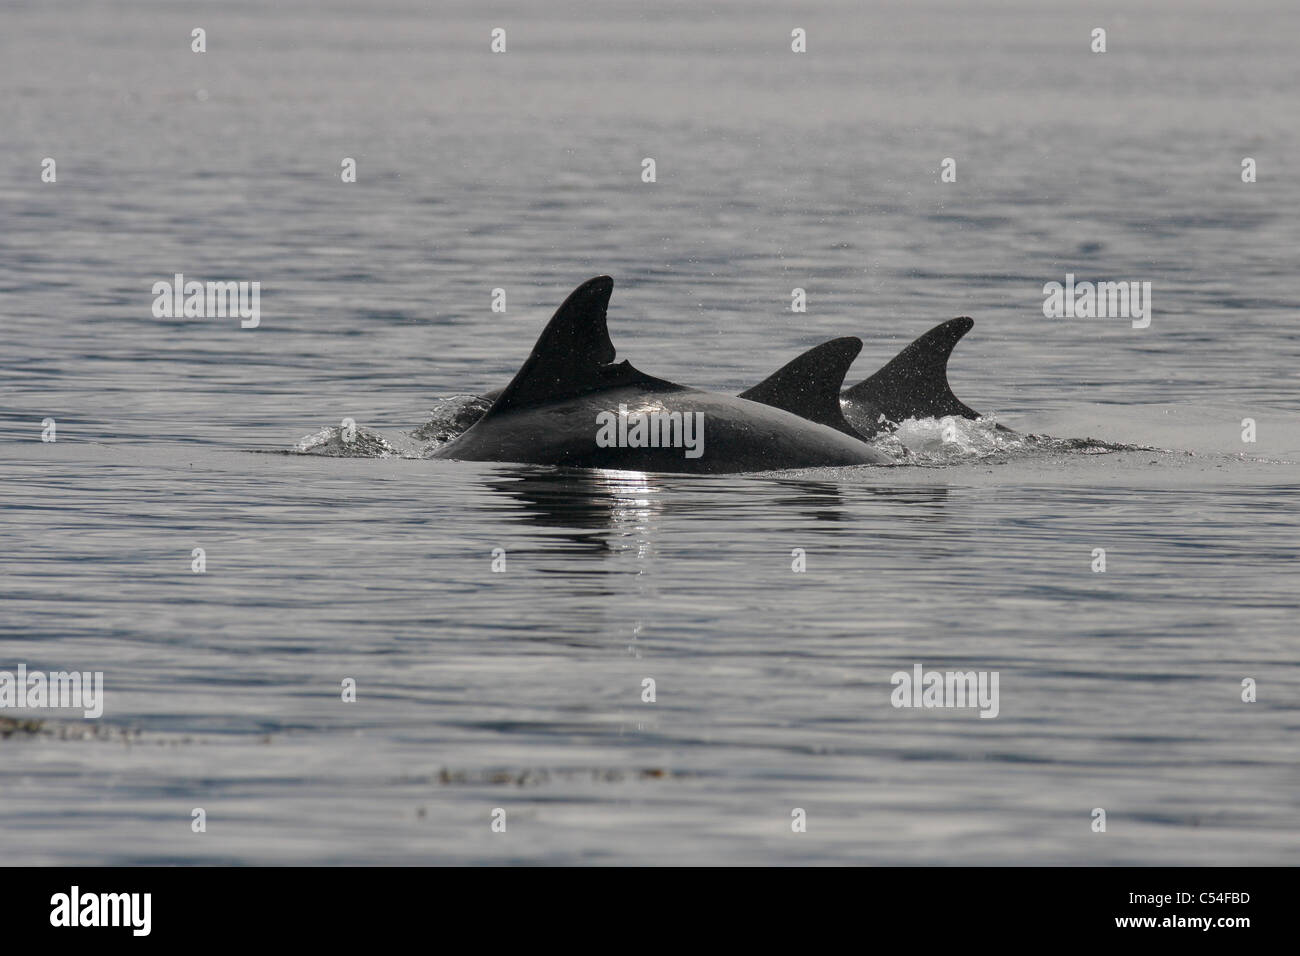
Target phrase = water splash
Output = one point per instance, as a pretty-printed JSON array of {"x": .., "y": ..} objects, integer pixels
[
  {"x": 448, "y": 418},
  {"x": 955, "y": 440},
  {"x": 451, "y": 416},
  {"x": 334, "y": 442}
]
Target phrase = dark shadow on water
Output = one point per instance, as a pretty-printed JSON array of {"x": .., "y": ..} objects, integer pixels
[
  {"x": 827, "y": 500},
  {"x": 599, "y": 511},
  {"x": 591, "y": 507}
]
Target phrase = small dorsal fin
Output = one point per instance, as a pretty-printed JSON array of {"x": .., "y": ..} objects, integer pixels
[
  {"x": 810, "y": 385},
  {"x": 573, "y": 355},
  {"x": 915, "y": 383}
]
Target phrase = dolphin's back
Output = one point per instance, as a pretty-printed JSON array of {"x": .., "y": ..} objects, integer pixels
[
  {"x": 729, "y": 434},
  {"x": 570, "y": 404}
]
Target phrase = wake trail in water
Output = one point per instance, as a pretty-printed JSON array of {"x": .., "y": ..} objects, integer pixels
[{"x": 954, "y": 440}]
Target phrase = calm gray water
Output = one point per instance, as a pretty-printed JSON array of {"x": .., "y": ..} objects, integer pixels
[{"x": 522, "y": 690}]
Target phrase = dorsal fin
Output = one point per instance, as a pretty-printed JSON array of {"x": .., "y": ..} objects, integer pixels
[
  {"x": 915, "y": 383},
  {"x": 810, "y": 385},
  {"x": 573, "y": 355}
]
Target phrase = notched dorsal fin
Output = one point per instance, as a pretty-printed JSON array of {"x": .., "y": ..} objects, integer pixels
[
  {"x": 810, "y": 385},
  {"x": 915, "y": 383},
  {"x": 573, "y": 355}
]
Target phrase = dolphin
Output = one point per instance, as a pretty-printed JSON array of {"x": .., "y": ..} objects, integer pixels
[
  {"x": 914, "y": 384},
  {"x": 569, "y": 404}
]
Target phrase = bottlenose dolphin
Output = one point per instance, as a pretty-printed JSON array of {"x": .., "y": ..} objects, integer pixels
[
  {"x": 914, "y": 384},
  {"x": 569, "y": 404}
]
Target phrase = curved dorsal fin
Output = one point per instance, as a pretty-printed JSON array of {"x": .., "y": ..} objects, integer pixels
[
  {"x": 573, "y": 355},
  {"x": 810, "y": 385},
  {"x": 915, "y": 383}
]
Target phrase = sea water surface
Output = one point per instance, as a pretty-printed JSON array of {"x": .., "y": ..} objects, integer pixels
[{"x": 521, "y": 689}]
